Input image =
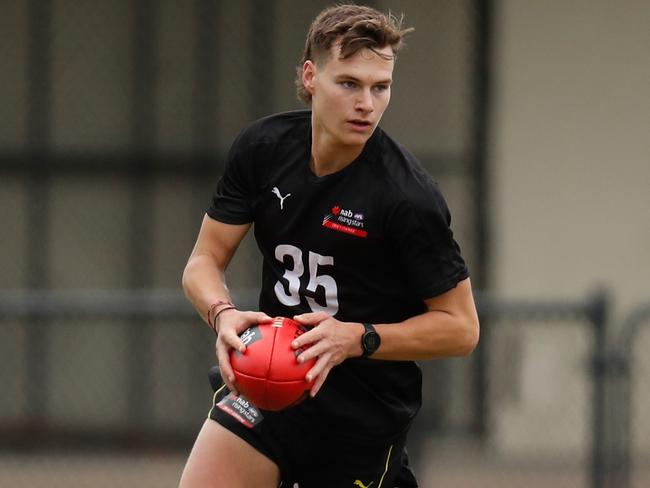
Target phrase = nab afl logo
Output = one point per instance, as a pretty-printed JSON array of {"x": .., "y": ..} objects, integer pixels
[
  {"x": 249, "y": 336},
  {"x": 345, "y": 220}
]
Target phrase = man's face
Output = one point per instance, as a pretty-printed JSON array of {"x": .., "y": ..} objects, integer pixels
[{"x": 349, "y": 96}]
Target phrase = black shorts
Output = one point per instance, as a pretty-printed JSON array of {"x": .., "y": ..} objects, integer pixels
[{"x": 313, "y": 460}]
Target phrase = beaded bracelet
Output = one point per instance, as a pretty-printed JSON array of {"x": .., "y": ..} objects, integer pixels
[{"x": 212, "y": 321}]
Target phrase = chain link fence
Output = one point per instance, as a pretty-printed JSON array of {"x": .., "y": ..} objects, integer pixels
[
  {"x": 106, "y": 411},
  {"x": 99, "y": 394},
  {"x": 639, "y": 401},
  {"x": 630, "y": 400},
  {"x": 542, "y": 412}
]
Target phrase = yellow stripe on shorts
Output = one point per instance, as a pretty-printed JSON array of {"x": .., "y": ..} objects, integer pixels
[
  {"x": 214, "y": 398},
  {"x": 381, "y": 480}
]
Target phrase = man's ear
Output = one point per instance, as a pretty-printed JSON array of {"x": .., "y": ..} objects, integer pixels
[{"x": 308, "y": 76}]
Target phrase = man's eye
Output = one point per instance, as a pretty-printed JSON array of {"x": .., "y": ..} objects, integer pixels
[
  {"x": 348, "y": 84},
  {"x": 381, "y": 88}
]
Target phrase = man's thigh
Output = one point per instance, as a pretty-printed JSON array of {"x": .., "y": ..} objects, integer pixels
[{"x": 220, "y": 458}]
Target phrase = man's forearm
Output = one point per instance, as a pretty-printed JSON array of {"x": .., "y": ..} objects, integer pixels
[
  {"x": 204, "y": 283},
  {"x": 434, "y": 334}
]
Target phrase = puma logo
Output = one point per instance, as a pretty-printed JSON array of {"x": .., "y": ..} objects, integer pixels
[
  {"x": 361, "y": 485},
  {"x": 276, "y": 192}
]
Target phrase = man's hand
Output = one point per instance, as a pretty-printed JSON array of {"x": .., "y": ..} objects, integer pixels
[
  {"x": 331, "y": 341},
  {"x": 230, "y": 324}
]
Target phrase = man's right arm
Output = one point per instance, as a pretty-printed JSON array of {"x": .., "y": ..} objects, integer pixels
[
  {"x": 203, "y": 278},
  {"x": 204, "y": 284}
]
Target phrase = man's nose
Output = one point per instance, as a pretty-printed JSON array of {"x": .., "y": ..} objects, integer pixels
[{"x": 365, "y": 102}]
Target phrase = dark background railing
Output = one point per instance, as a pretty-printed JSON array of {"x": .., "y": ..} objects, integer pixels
[{"x": 607, "y": 463}]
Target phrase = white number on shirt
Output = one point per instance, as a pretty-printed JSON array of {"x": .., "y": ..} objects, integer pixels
[{"x": 293, "y": 274}]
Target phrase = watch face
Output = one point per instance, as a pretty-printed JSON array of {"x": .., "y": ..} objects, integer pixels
[{"x": 371, "y": 341}]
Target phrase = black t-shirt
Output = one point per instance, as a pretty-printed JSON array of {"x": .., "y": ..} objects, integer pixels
[{"x": 366, "y": 244}]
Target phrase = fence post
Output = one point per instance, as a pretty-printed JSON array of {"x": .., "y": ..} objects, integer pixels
[
  {"x": 620, "y": 406},
  {"x": 624, "y": 395},
  {"x": 598, "y": 314}
]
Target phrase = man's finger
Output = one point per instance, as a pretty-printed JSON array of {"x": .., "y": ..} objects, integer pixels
[
  {"x": 224, "y": 364},
  {"x": 310, "y": 352},
  {"x": 227, "y": 372},
  {"x": 309, "y": 337},
  {"x": 256, "y": 317},
  {"x": 231, "y": 339},
  {"x": 311, "y": 318},
  {"x": 319, "y": 382},
  {"x": 262, "y": 317},
  {"x": 320, "y": 365}
]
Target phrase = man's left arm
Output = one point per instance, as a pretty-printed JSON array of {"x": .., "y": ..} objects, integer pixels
[{"x": 450, "y": 327}]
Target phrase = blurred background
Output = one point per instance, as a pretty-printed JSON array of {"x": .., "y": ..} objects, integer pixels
[{"x": 533, "y": 116}]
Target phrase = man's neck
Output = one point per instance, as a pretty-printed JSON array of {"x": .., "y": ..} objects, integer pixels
[{"x": 329, "y": 156}]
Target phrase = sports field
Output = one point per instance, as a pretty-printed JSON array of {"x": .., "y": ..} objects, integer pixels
[
  {"x": 451, "y": 465},
  {"x": 163, "y": 471}
]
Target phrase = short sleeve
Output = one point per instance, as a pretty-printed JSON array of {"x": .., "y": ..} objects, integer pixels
[
  {"x": 424, "y": 244},
  {"x": 233, "y": 195}
]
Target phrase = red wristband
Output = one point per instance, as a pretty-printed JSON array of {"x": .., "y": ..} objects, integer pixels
[{"x": 212, "y": 319}]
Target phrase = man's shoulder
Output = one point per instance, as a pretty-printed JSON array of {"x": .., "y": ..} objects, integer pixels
[
  {"x": 404, "y": 172},
  {"x": 283, "y": 127}
]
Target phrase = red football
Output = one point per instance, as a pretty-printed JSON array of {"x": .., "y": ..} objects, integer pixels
[{"x": 267, "y": 373}]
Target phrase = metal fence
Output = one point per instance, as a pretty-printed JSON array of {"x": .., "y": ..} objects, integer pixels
[
  {"x": 539, "y": 405},
  {"x": 102, "y": 368},
  {"x": 102, "y": 380},
  {"x": 630, "y": 399}
]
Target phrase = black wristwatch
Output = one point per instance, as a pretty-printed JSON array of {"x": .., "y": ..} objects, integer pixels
[{"x": 370, "y": 340}]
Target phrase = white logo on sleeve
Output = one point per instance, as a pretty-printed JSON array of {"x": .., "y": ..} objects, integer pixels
[{"x": 276, "y": 192}]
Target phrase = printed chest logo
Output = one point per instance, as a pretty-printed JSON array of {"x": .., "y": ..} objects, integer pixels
[
  {"x": 276, "y": 192},
  {"x": 345, "y": 220}
]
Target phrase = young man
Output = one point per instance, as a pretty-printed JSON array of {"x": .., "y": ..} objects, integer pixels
[{"x": 356, "y": 244}]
